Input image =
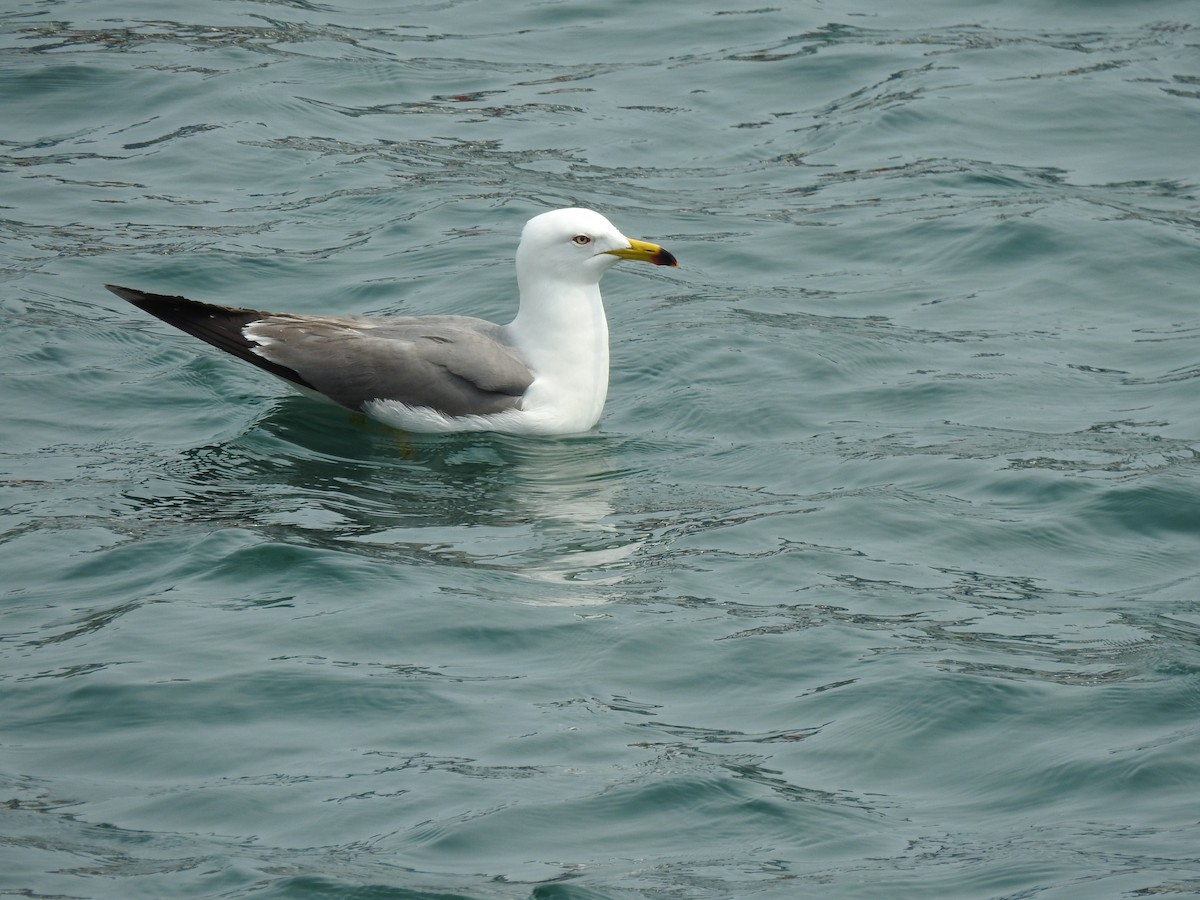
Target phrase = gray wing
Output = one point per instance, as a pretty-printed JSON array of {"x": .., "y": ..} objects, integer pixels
[{"x": 454, "y": 364}]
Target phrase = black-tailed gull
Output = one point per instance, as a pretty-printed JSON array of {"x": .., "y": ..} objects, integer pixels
[{"x": 546, "y": 372}]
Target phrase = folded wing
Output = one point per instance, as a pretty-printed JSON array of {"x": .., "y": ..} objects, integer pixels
[{"x": 454, "y": 364}]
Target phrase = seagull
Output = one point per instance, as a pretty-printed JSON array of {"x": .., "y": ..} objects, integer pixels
[{"x": 544, "y": 373}]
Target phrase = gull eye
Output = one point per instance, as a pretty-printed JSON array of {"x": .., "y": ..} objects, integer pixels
[{"x": 581, "y": 240}]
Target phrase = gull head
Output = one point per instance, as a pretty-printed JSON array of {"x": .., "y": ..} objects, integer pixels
[{"x": 579, "y": 245}]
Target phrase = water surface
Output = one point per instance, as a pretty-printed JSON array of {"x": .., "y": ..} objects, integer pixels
[{"x": 877, "y": 579}]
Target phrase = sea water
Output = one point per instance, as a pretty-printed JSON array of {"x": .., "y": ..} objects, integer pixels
[{"x": 879, "y": 577}]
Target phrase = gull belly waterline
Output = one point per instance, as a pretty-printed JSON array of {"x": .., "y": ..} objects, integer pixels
[{"x": 545, "y": 372}]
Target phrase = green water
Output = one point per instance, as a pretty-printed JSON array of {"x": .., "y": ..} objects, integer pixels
[{"x": 879, "y": 577}]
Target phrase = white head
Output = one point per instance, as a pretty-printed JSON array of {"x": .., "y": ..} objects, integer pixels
[{"x": 578, "y": 245}]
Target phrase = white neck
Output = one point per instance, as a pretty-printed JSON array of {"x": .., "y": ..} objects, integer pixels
[{"x": 563, "y": 335}]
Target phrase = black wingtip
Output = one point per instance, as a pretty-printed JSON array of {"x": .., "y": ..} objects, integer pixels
[
  {"x": 123, "y": 292},
  {"x": 145, "y": 299},
  {"x": 221, "y": 326}
]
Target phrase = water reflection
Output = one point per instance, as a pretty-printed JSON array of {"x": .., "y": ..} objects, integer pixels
[{"x": 316, "y": 476}]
